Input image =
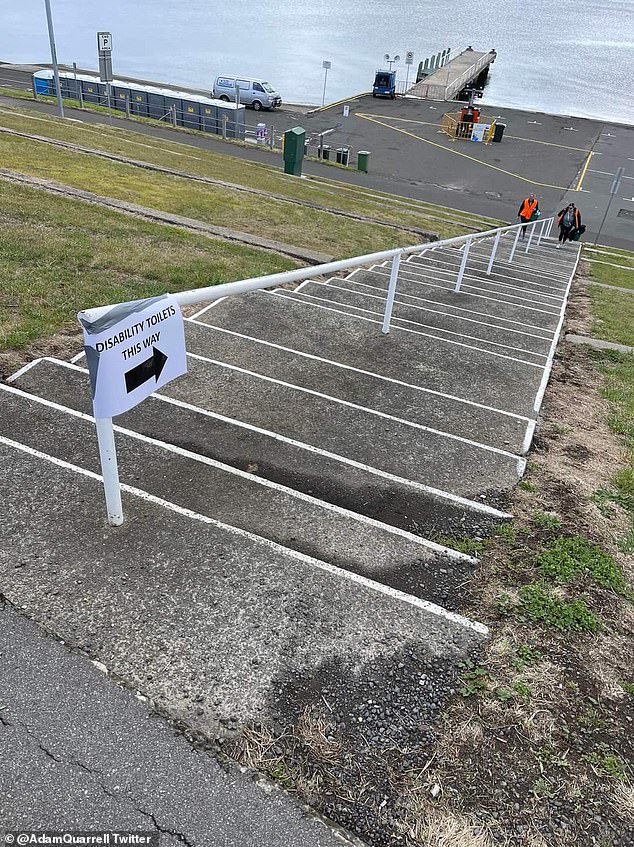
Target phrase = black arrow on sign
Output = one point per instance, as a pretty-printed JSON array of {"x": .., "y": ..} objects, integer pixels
[{"x": 151, "y": 367}]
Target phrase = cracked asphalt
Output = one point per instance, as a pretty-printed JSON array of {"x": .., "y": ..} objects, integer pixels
[{"x": 80, "y": 753}]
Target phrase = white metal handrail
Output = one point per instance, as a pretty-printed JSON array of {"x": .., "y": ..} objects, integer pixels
[
  {"x": 227, "y": 289},
  {"x": 105, "y": 430}
]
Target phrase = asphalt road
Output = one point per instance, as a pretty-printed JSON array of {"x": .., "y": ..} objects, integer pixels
[
  {"x": 79, "y": 753},
  {"x": 560, "y": 158}
]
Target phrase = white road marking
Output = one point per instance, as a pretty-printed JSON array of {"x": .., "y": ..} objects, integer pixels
[
  {"x": 427, "y": 489},
  {"x": 452, "y": 397},
  {"x": 404, "y": 329},
  {"x": 252, "y": 478},
  {"x": 393, "y": 593},
  {"x": 355, "y": 406}
]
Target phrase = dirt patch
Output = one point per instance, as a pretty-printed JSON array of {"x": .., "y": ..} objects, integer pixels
[{"x": 64, "y": 345}]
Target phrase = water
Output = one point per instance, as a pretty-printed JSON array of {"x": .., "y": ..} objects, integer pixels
[{"x": 560, "y": 57}]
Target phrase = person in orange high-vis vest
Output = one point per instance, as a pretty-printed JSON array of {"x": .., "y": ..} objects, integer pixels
[{"x": 528, "y": 207}]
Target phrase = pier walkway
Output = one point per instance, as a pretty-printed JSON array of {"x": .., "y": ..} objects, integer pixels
[{"x": 447, "y": 82}]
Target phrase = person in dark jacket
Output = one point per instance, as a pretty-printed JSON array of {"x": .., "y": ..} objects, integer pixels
[
  {"x": 569, "y": 221},
  {"x": 528, "y": 207}
]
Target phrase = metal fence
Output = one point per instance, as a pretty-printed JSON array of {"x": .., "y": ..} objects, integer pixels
[{"x": 464, "y": 130}]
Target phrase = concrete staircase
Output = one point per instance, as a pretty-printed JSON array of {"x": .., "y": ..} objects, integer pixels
[{"x": 282, "y": 499}]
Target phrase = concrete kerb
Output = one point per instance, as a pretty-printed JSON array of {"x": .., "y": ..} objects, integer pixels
[
  {"x": 149, "y": 166},
  {"x": 435, "y": 492}
]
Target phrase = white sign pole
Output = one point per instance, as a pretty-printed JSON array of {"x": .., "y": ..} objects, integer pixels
[
  {"x": 109, "y": 470},
  {"x": 326, "y": 65},
  {"x": 132, "y": 350}
]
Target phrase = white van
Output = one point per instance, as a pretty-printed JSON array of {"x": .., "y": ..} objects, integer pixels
[{"x": 251, "y": 92}]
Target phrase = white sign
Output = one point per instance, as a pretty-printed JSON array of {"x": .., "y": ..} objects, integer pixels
[
  {"x": 104, "y": 40},
  {"x": 133, "y": 350},
  {"x": 346, "y": 111},
  {"x": 479, "y": 131},
  {"x": 409, "y": 57}
]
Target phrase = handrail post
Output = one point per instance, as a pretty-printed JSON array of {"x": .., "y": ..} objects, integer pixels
[
  {"x": 541, "y": 233},
  {"x": 551, "y": 223},
  {"x": 391, "y": 292},
  {"x": 517, "y": 236},
  {"x": 530, "y": 236},
  {"x": 463, "y": 263},
  {"x": 493, "y": 252},
  {"x": 109, "y": 470}
]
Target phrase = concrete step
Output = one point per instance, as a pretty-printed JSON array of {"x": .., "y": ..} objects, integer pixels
[
  {"x": 423, "y": 281},
  {"x": 345, "y": 539},
  {"x": 407, "y": 312},
  {"x": 351, "y": 486},
  {"x": 395, "y": 397},
  {"x": 284, "y": 318},
  {"x": 376, "y": 282},
  {"x": 218, "y": 628},
  {"x": 501, "y": 286},
  {"x": 545, "y": 259},
  {"x": 532, "y": 277}
]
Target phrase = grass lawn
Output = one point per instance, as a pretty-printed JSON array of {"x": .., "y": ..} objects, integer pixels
[
  {"x": 613, "y": 315},
  {"x": 267, "y": 177},
  {"x": 300, "y": 226},
  {"x": 58, "y": 256}
]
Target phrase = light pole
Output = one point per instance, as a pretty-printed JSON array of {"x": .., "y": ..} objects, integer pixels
[
  {"x": 391, "y": 61},
  {"x": 51, "y": 38},
  {"x": 326, "y": 65}
]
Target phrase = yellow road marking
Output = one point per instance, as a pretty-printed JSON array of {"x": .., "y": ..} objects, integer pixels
[
  {"x": 514, "y": 137},
  {"x": 337, "y": 103},
  {"x": 466, "y": 155},
  {"x": 584, "y": 170}
]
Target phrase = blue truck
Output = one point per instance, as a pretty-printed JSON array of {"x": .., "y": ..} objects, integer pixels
[{"x": 384, "y": 84}]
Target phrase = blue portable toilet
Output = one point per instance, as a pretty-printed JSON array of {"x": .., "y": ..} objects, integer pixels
[
  {"x": 191, "y": 114},
  {"x": 120, "y": 93},
  {"x": 43, "y": 82},
  {"x": 170, "y": 100},
  {"x": 209, "y": 117},
  {"x": 156, "y": 105},
  {"x": 90, "y": 90},
  {"x": 384, "y": 84},
  {"x": 138, "y": 102}
]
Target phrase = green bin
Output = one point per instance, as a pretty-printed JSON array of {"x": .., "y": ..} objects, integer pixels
[
  {"x": 294, "y": 141},
  {"x": 363, "y": 157}
]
